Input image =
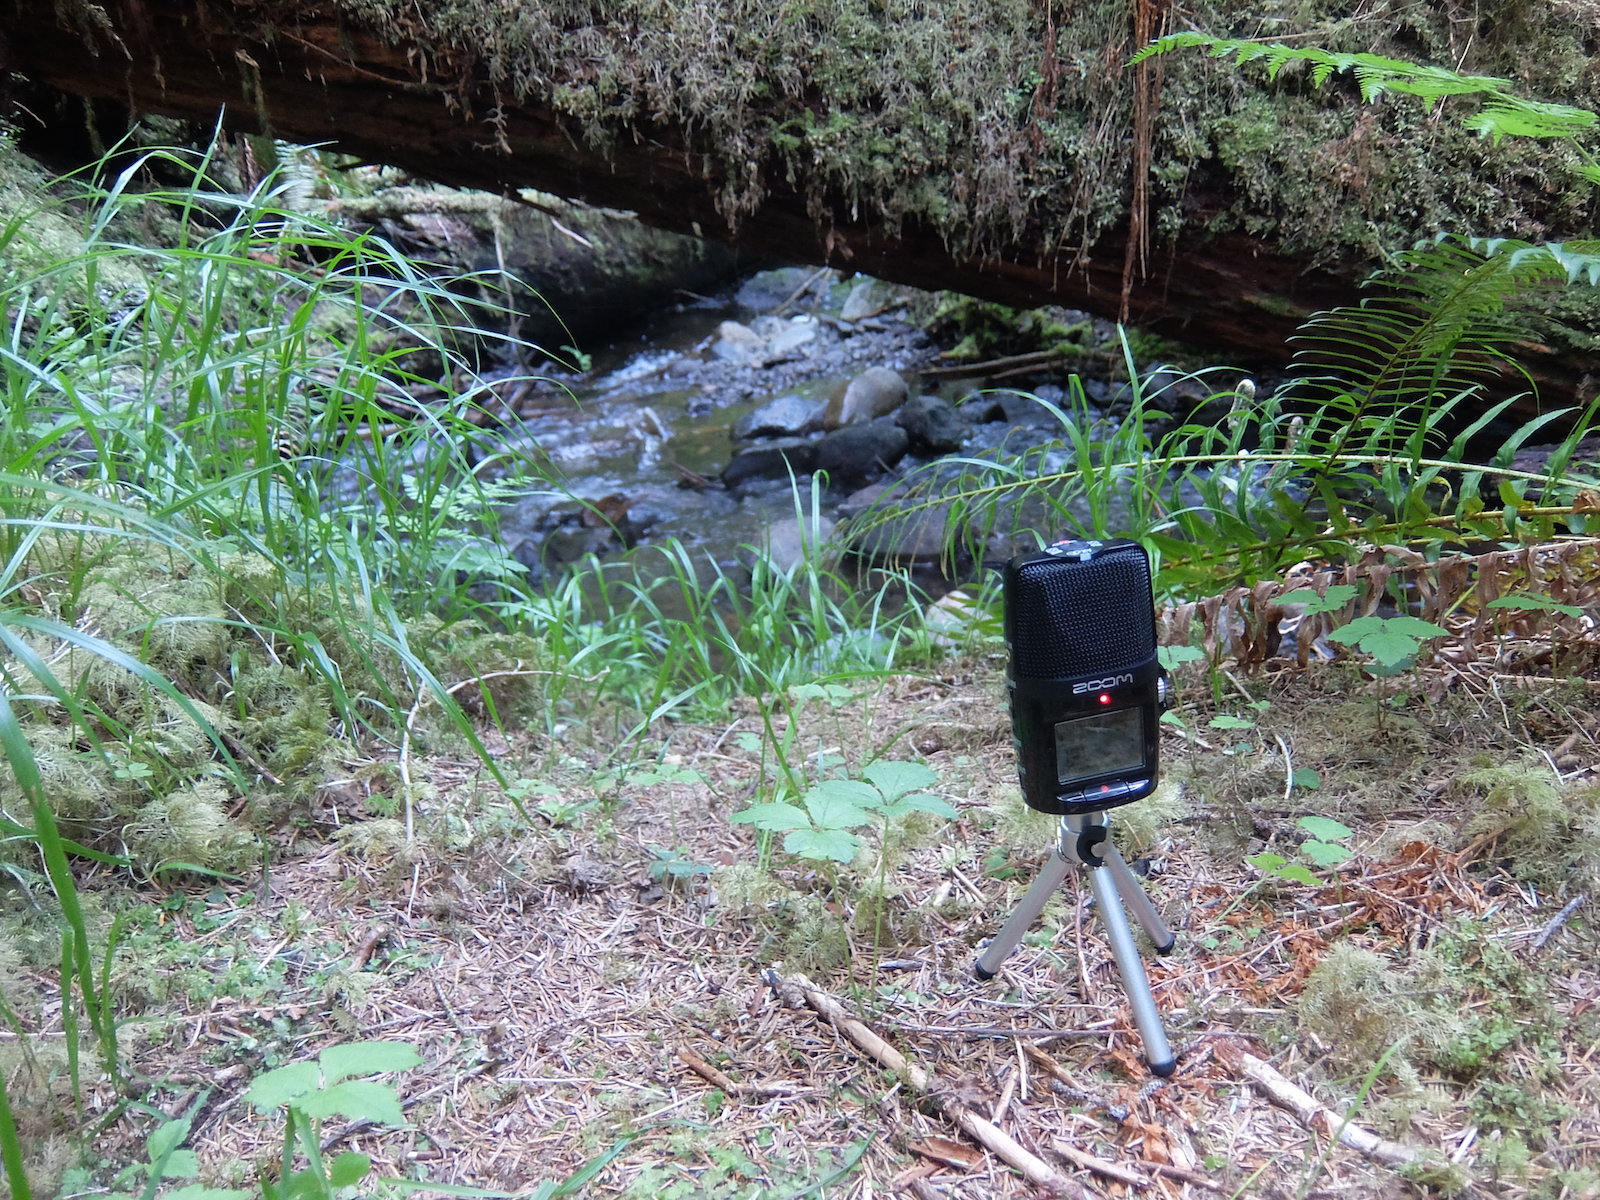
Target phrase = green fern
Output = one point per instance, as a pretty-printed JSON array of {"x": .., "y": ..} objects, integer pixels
[{"x": 1502, "y": 114}]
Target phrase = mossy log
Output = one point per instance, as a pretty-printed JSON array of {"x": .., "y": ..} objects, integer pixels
[{"x": 996, "y": 147}]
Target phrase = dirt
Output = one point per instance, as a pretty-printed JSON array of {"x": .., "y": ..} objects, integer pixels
[{"x": 576, "y": 981}]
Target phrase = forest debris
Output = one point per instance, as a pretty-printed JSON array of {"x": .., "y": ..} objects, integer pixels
[
  {"x": 718, "y": 1078},
  {"x": 1310, "y": 1111},
  {"x": 1557, "y": 921},
  {"x": 1251, "y": 623},
  {"x": 951, "y": 1154},
  {"x": 1032, "y": 1167}
]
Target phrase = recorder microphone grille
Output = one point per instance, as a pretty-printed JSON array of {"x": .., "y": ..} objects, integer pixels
[{"x": 1068, "y": 618}]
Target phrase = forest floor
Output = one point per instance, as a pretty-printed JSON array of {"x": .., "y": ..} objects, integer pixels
[{"x": 579, "y": 987}]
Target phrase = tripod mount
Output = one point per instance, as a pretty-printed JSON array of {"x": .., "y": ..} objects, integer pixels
[{"x": 1084, "y": 844}]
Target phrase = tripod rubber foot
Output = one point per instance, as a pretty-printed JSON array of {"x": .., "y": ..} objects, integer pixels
[
  {"x": 1172, "y": 944},
  {"x": 981, "y": 975},
  {"x": 1164, "y": 1068}
]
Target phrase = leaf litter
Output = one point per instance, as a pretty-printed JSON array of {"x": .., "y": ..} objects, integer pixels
[{"x": 1437, "y": 991}]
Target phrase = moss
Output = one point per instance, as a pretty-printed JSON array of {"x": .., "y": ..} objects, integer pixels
[
  {"x": 189, "y": 827},
  {"x": 1545, "y": 833},
  {"x": 956, "y": 117}
]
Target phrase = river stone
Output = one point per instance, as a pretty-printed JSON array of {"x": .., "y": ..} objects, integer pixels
[
  {"x": 785, "y": 541},
  {"x": 786, "y": 416},
  {"x": 869, "y": 296},
  {"x": 874, "y": 393},
  {"x": 933, "y": 425},
  {"x": 770, "y": 460},
  {"x": 737, "y": 343},
  {"x": 783, "y": 338},
  {"x": 860, "y": 453}
]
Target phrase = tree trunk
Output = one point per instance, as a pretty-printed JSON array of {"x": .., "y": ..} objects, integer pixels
[{"x": 1246, "y": 236}]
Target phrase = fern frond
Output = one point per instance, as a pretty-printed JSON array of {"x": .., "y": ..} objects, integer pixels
[
  {"x": 1439, "y": 322},
  {"x": 1503, "y": 112}
]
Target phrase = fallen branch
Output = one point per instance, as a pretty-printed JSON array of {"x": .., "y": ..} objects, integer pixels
[
  {"x": 1310, "y": 1111},
  {"x": 1560, "y": 919},
  {"x": 720, "y": 1079},
  {"x": 1031, "y": 1166}
]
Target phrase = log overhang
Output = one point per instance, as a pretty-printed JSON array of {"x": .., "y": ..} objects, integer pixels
[
  {"x": 310, "y": 72},
  {"x": 307, "y": 73}
]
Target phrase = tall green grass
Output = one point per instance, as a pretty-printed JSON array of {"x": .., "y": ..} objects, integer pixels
[{"x": 222, "y": 503}]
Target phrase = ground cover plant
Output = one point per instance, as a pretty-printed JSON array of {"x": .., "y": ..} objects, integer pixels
[{"x": 331, "y": 872}]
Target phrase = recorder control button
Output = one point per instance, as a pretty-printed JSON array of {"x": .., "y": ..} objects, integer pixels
[{"x": 1108, "y": 791}]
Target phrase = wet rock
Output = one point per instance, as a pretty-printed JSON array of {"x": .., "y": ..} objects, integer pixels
[
  {"x": 787, "y": 541},
  {"x": 766, "y": 290},
  {"x": 858, "y": 454},
  {"x": 776, "y": 459},
  {"x": 876, "y": 392},
  {"x": 737, "y": 343},
  {"x": 787, "y": 416},
  {"x": 933, "y": 425},
  {"x": 868, "y": 298},
  {"x": 784, "y": 338},
  {"x": 982, "y": 409}
]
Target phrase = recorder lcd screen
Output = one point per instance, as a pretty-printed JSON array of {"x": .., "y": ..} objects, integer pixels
[{"x": 1107, "y": 743}]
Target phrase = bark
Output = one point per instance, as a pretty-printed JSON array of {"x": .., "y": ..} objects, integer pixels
[{"x": 311, "y": 72}]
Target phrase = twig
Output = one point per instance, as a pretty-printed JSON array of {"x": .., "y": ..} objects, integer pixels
[
  {"x": 1100, "y": 1166},
  {"x": 1560, "y": 919},
  {"x": 719, "y": 1079},
  {"x": 1310, "y": 1111},
  {"x": 1032, "y": 1167}
]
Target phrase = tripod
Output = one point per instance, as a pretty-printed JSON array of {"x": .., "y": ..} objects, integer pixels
[{"x": 1084, "y": 842}]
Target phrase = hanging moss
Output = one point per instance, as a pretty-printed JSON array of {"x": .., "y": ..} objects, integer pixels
[{"x": 959, "y": 117}]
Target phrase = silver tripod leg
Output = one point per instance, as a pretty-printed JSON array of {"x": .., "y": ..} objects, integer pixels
[
  {"x": 1136, "y": 901},
  {"x": 1131, "y": 967},
  {"x": 1115, "y": 887},
  {"x": 1024, "y": 915}
]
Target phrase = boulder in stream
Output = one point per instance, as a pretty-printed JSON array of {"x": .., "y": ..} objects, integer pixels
[{"x": 876, "y": 392}]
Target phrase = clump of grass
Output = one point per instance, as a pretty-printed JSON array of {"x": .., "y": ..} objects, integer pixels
[
  {"x": 1546, "y": 831},
  {"x": 1359, "y": 1006}
]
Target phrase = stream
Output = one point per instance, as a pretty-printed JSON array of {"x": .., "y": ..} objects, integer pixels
[{"x": 647, "y": 436}]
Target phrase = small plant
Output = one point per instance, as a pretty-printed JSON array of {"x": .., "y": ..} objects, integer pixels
[
  {"x": 1393, "y": 641},
  {"x": 308, "y": 1092},
  {"x": 673, "y": 866},
  {"x": 1321, "y": 848},
  {"x": 819, "y": 828},
  {"x": 166, "y": 1158}
]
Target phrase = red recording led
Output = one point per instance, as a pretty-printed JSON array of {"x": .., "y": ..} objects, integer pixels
[{"x": 1105, "y": 697}]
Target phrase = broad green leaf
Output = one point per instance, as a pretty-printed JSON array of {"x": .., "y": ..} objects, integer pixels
[
  {"x": 1281, "y": 868},
  {"x": 1174, "y": 656},
  {"x": 773, "y": 817},
  {"x": 1229, "y": 721},
  {"x": 1335, "y": 598},
  {"x": 1325, "y": 828},
  {"x": 1305, "y": 777},
  {"x": 180, "y": 1164},
  {"x": 165, "y": 1139},
  {"x": 348, "y": 1169},
  {"x": 921, "y": 802},
  {"x": 1388, "y": 639},
  {"x": 895, "y": 779},
  {"x": 1324, "y": 854},
  {"x": 366, "y": 1058},
  {"x": 1540, "y": 603},
  {"x": 842, "y": 803},
  {"x": 357, "y": 1099},
  {"x": 835, "y": 844},
  {"x": 283, "y": 1085}
]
